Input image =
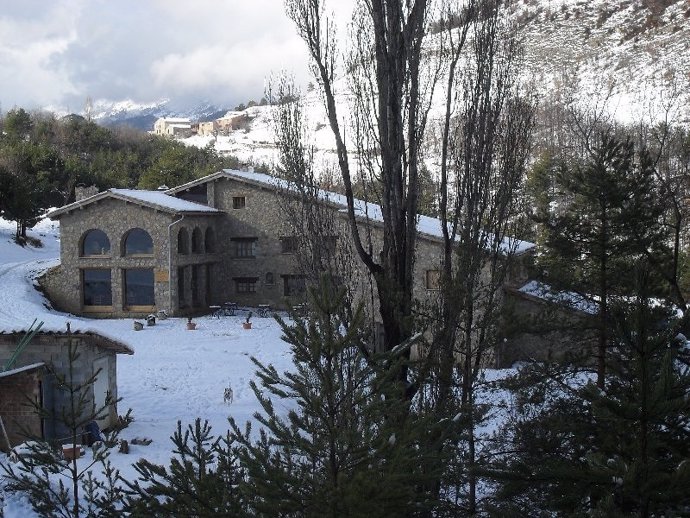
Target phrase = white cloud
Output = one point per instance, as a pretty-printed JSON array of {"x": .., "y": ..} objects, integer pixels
[{"x": 61, "y": 51}]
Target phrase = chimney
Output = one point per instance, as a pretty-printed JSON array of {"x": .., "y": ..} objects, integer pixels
[{"x": 81, "y": 191}]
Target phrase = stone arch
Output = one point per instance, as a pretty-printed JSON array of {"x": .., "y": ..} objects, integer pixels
[
  {"x": 183, "y": 241},
  {"x": 210, "y": 240},
  {"x": 94, "y": 242},
  {"x": 137, "y": 242},
  {"x": 197, "y": 241}
]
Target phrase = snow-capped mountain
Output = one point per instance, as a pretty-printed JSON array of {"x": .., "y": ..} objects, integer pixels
[
  {"x": 143, "y": 115},
  {"x": 633, "y": 53}
]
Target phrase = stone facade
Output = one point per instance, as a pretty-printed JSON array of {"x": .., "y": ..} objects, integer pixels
[
  {"x": 117, "y": 218},
  {"x": 19, "y": 416},
  {"x": 252, "y": 257},
  {"x": 94, "y": 352},
  {"x": 538, "y": 330}
]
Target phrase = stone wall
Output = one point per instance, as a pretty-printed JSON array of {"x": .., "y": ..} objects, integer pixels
[
  {"x": 116, "y": 218},
  {"x": 54, "y": 349},
  {"x": 536, "y": 330},
  {"x": 20, "y": 417}
]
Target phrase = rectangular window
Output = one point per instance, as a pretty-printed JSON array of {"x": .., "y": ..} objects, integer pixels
[
  {"x": 196, "y": 287},
  {"x": 294, "y": 286},
  {"x": 324, "y": 250},
  {"x": 97, "y": 287},
  {"x": 139, "y": 287},
  {"x": 244, "y": 246},
  {"x": 245, "y": 284},
  {"x": 289, "y": 244},
  {"x": 239, "y": 202},
  {"x": 433, "y": 279},
  {"x": 181, "y": 299}
]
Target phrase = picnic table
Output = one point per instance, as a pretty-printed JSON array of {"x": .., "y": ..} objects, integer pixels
[{"x": 228, "y": 309}]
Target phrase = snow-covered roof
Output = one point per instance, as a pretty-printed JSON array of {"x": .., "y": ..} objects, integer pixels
[
  {"x": 172, "y": 120},
  {"x": 153, "y": 199},
  {"x": 99, "y": 338},
  {"x": 565, "y": 298},
  {"x": 425, "y": 224}
]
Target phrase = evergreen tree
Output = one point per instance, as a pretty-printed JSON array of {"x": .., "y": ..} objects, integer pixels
[
  {"x": 202, "y": 480},
  {"x": 348, "y": 446},
  {"x": 621, "y": 451},
  {"x": 602, "y": 219}
]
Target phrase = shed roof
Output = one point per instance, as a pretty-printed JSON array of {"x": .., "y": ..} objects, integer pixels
[
  {"x": 96, "y": 338},
  {"x": 19, "y": 370},
  {"x": 156, "y": 200}
]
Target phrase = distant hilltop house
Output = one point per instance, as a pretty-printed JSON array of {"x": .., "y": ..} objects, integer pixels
[
  {"x": 182, "y": 127},
  {"x": 28, "y": 376},
  {"x": 173, "y": 127}
]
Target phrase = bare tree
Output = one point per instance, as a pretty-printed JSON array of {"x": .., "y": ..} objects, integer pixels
[
  {"x": 312, "y": 215},
  {"x": 389, "y": 121},
  {"x": 484, "y": 145}
]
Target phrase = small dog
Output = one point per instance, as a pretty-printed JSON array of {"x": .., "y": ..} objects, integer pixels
[{"x": 228, "y": 396}]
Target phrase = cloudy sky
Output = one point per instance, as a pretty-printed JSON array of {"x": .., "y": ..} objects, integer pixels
[{"x": 58, "y": 52}]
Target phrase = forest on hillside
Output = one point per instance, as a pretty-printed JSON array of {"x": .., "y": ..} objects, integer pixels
[{"x": 43, "y": 157}]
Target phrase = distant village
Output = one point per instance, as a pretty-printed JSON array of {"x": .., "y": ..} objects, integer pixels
[{"x": 182, "y": 127}]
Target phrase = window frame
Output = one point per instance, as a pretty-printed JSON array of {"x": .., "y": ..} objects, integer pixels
[
  {"x": 431, "y": 283},
  {"x": 248, "y": 282},
  {"x": 289, "y": 244},
  {"x": 138, "y": 307},
  {"x": 126, "y": 238},
  {"x": 239, "y": 202},
  {"x": 302, "y": 293},
  {"x": 239, "y": 247},
  {"x": 85, "y": 235},
  {"x": 95, "y": 308}
]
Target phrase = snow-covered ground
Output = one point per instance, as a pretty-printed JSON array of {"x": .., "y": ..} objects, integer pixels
[{"x": 174, "y": 374}]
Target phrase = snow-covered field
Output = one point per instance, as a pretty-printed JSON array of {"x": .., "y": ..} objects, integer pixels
[{"x": 174, "y": 374}]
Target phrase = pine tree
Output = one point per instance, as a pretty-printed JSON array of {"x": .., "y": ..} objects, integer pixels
[
  {"x": 348, "y": 446},
  {"x": 620, "y": 451},
  {"x": 602, "y": 219},
  {"x": 202, "y": 479}
]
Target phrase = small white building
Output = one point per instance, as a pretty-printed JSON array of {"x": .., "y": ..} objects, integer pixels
[{"x": 173, "y": 126}]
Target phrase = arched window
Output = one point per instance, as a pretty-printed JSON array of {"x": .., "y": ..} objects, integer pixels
[
  {"x": 182, "y": 241},
  {"x": 138, "y": 242},
  {"x": 95, "y": 242},
  {"x": 196, "y": 241},
  {"x": 210, "y": 241}
]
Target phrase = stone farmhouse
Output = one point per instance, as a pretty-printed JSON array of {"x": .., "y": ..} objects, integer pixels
[
  {"x": 222, "y": 238},
  {"x": 29, "y": 377}
]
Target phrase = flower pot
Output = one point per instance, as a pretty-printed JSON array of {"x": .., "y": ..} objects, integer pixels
[
  {"x": 247, "y": 325},
  {"x": 191, "y": 326}
]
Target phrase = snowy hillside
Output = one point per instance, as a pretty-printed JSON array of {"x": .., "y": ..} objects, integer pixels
[
  {"x": 632, "y": 54},
  {"x": 174, "y": 374}
]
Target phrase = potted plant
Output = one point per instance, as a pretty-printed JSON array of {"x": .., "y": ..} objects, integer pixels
[
  {"x": 247, "y": 324},
  {"x": 191, "y": 326}
]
